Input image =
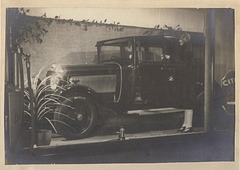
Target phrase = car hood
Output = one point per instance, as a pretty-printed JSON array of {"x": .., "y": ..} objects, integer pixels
[
  {"x": 102, "y": 78},
  {"x": 89, "y": 69}
]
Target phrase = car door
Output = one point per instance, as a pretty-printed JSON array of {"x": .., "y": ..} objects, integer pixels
[
  {"x": 156, "y": 76},
  {"x": 14, "y": 95}
]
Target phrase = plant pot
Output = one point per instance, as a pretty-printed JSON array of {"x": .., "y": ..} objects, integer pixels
[
  {"x": 44, "y": 137},
  {"x": 26, "y": 138}
]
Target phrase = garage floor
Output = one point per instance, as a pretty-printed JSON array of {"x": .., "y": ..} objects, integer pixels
[
  {"x": 60, "y": 141},
  {"x": 150, "y": 138},
  {"x": 138, "y": 124}
]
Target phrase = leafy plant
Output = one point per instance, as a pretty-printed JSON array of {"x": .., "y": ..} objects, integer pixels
[
  {"x": 44, "y": 102},
  {"x": 25, "y": 28},
  {"x": 176, "y": 31}
]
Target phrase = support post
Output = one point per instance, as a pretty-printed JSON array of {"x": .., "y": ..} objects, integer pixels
[
  {"x": 209, "y": 33},
  {"x": 31, "y": 103}
]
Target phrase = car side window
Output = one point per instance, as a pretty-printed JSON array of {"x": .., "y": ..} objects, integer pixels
[
  {"x": 7, "y": 73},
  {"x": 13, "y": 70},
  {"x": 20, "y": 73},
  {"x": 155, "y": 53},
  {"x": 150, "y": 54},
  {"x": 110, "y": 52},
  {"x": 16, "y": 71},
  {"x": 128, "y": 51},
  {"x": 140, "y": 53}
]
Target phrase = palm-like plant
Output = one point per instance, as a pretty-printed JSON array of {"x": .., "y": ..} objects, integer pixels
[{"x": 44, "y": 102}]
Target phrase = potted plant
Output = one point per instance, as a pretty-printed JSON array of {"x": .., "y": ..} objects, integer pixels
[{"x": 44, "y": 104}]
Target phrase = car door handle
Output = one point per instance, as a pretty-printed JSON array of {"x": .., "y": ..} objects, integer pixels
[
  {"x": 17, "y": 90},
  {"x": 130, "y": 66}
]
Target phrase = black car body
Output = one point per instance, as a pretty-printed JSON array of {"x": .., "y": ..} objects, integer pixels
[{"x": 132, "y": 73}]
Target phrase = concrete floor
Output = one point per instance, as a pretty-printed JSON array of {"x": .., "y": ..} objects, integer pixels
[
  {"x": 138, "y": 124},
  {"x": 188, "y": 148},
  {"x": 150, "y": 139},
  {"x": 61, "y": 141}
]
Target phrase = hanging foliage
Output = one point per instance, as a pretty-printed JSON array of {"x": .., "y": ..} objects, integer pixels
[
  {"x": 85, "y": 24},
  {"x": 165, "y": 30},
  {"x": 25, "y": 28}
]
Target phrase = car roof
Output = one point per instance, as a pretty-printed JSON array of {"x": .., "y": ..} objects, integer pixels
[
  {"x": 151, "y": 39},
  {"x": 125, "y": 39}
]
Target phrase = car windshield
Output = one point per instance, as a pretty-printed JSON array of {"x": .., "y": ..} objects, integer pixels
[{"x": 118, "y": 49}]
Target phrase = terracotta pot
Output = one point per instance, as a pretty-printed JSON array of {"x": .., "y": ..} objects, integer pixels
[{"x": 44, "y": 137}]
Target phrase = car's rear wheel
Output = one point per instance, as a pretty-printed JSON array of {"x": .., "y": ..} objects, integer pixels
[{"x": 76, "y": 117}]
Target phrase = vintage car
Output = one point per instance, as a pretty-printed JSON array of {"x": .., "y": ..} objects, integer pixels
[{"x": 131, "y": 73}]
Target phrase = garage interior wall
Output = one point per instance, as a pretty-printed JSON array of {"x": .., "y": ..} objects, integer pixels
[
  {"x": 71, "y": 44},
  {"x": 224, "y": 42},
  {"x": 67, "y": 43}
]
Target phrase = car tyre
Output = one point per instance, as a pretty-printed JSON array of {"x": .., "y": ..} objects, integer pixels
[{"x": 76, "y": 117}]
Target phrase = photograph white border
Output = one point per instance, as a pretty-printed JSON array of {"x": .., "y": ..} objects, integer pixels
[{"x": 235, "y": 4}]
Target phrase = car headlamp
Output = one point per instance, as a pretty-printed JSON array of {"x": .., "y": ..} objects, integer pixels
[
  {"x": 54, "y": 82},
  {"x": 73, "y": 80},
  {"x": 56, "y": 77},
  {"x": 57, "y": 69}
]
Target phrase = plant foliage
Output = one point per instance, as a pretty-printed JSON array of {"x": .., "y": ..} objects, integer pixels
[
  {"x": 26, "y": 28},
  {"x": 44, "y": 102},
  {"x": 174, "y": 31}
]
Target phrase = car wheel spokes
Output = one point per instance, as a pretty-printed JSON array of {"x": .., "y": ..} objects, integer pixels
[{"x": 82, "y": 115}]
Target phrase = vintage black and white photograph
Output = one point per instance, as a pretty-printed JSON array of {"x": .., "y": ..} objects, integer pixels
[{"x": 119, "y": 85}]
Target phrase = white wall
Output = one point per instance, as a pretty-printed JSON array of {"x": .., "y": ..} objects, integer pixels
[
  {"x": 224, "y": 43},
  {"x": 188, "y": 19}
]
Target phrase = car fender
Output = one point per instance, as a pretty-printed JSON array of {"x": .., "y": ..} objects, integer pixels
[{"x": 82, "y": 89}]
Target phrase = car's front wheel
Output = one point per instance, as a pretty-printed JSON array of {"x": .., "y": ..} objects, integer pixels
[{"x": 76, "y": 116}]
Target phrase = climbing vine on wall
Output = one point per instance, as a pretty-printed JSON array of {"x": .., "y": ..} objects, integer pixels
[
  {"x": 86, "y": 23},
  {"x": 25, "y": 28},
  {"x": 174, "y": 31}
]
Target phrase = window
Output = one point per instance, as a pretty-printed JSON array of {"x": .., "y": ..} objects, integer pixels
[
  {"x": 153, "y": 54},
  {"x": 110, "y": 52},
  {"x": 14, "y": 70}
]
